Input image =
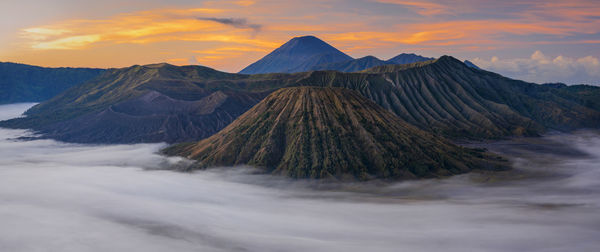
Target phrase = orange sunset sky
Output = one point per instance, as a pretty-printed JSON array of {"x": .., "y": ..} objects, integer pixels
[{"x": 539, "y": 41}]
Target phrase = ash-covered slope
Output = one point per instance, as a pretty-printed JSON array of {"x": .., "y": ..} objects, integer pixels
[
  {"x": 297, "y": 55},
  {"x": 313, "y": 132}
]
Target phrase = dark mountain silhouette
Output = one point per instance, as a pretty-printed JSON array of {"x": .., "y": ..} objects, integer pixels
[
  {"x": 309, "y": 53},
  {"x": 353, "y": 65},
  {"x": 313, "y": 132},
  {"x": 367, "y": 62},
  {"x": 407, "y": 58},
  {"x": 26, "y": 83},
  {"x": 297, "y": 55}
]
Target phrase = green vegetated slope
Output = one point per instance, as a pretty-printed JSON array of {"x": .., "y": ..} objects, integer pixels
[
  {"x": 26, "y": 83},
  {"x": 314, "y": 132}
]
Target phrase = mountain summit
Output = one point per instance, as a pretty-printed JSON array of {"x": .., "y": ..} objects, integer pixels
[
  {"x": 313, "y": 132},
  {"x": 297, "y": 55}
]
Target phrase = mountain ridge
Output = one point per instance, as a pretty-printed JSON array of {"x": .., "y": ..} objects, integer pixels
[{"x": 443, "y": 96}]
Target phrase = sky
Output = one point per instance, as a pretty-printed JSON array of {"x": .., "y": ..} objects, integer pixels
[{"x": 535, "y": 40}]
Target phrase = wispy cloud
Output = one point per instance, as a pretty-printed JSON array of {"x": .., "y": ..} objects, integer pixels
[
  {"x": 141, "y": 28},
  {"x": 241, "y": 23}
]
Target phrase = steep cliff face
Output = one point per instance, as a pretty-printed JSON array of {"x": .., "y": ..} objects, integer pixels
[{"x": 312, "y": 132}]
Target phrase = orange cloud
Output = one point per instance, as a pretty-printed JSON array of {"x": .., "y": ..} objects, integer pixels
[
  {"x": 465, "y": 32},
  {"x": 443, "y": 26},
  {"x": 139, "y": 27}
]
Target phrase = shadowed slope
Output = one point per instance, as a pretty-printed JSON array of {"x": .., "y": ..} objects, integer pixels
[{"x": 311, "y": 132}]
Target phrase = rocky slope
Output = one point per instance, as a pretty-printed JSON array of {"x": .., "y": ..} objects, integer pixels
[{"x": 312, "y": 132}]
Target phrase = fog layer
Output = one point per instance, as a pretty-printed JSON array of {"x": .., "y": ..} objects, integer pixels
[{"x": 65, "y": 197}]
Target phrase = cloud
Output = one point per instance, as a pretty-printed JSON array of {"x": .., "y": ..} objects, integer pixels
[
  {"x": 140, "y": 28},
  {"x": 71, "y": 197},
  {"x": 541, "y": 68},
  {"x": 240, "y": 23},
  {"x": 438, "y": 27}
]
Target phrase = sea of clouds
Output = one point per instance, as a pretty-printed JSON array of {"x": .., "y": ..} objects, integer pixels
[
  {"x": 541, "y": 68},
  {"x": 68, "y": 197}
]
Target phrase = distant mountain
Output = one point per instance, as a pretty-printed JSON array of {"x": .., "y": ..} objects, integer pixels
[
  {"x": 353, "y": 65},
  {"x": 356, "y": 65},
  {"x": 297, "y": 55},
  {"x": 471, "y": 65},
  {"x": 312, "y": 132},
  {"x": 26, "y": 83},
  {"x": 407, "y": 58},
  {"x": 177, "y": 104},
  {"x": 309, "y": 53}
]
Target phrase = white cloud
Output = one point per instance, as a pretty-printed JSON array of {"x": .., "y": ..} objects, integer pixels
[
  {"x": 541, "y": 68},
  {"x": 68, "y": 197}
]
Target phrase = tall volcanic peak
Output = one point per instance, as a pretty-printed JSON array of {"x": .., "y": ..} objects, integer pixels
[
  {"x": 314, "y": 132},
  {"x": 297, "y": 55}
]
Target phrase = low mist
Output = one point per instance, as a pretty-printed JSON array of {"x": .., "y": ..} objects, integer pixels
[{"x": 68, "y": 197}]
